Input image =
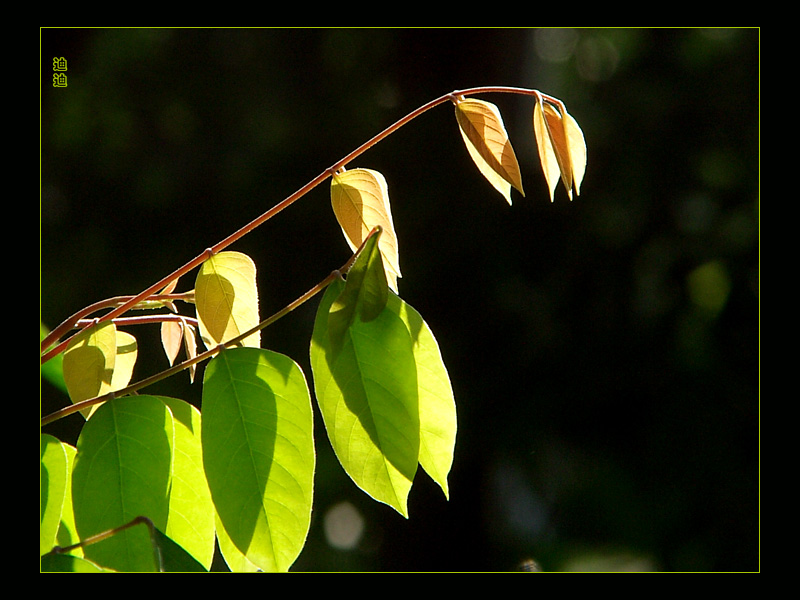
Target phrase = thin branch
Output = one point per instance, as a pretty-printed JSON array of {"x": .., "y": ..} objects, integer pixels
[
  {"x": 132, "y": 301},
  {"x": 135, "y": 387}
]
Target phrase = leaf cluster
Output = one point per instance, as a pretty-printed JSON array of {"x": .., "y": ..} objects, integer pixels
[{"x": 156, "y": 484}]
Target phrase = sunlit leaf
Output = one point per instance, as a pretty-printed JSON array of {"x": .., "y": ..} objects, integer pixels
[
  {"x": 226, "y": 299},
  {"x": 577, "y": 151},
  {"x": 53, "y": 477},
  {"x": 360, "y": 201},
  {"x": 67, "y": 534},
  {"x": 235, "y": 559},
  {"x": 437, "y": 408},
  {"x": 122, "y": 471},
  {"x": 487, "y": 141},
  {"x": 127, "y": 352},
  {"x": 172, "y": 339},
  {"x": 89, "y": 362},
  {"x": 191, "y": 511},
  {"x": 562, "y": 149},
  {"x": 258, "y": 453},
  {"x": 547, "y": 155},
  {"x": 175, "y": 334},
  {"x": 365, "y": 292},
  {"x": 190, "y": 344},
  {"x": 366, "y": 388}
]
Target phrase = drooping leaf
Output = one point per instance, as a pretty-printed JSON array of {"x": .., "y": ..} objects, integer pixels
[
  {"x": 547, "y": 155},
  {"x": 258, "y": 453},
  {"x": 175, "y": 334},
  {"x": 562, "y": 149},
  {"x": 437, "y": 408},
  {"x": 122, "y": 471},
  {"x": 485, "y": 136},
  {"x": 53, "y": 477},
  {"x": 191, "y": 511},
  {"x": 577, "y": 150},
  {"x": 366, "y": 388},
  {"x": 89, "y": 362},
  {"x": 226, "y": 299},
  {"x": 172, "y": 339},
  {"x": 360, "y": 201}
]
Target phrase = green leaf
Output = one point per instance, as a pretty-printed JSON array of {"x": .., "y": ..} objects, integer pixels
[
  {"x": 174, "y": 557},
  {"x": 366, "y": 388},
  {"x": 437, "y": 407},
  {"x": 67, "y": 533},
  {"x": 122, "y": 471},
  {"x": 53, "y": 477},
  {"x": 66, "y": 563},
  {"x": 258, "y": 453},
  {"x": 365, "y": 292},
  {"x": 52, "y": 370},
  {"x": 235, "y": 559},
  {"x": 191, "y": 511}
]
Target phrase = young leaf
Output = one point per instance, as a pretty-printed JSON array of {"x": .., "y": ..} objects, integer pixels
[
  {"x": 437, "y": 408},
  {"x": 360, "y": 201},
  {"x": 547, "y": 155},
  {"x": 258, "y": 453},
  {"x": 226, "y": 299},
  {"x": 175, "y": 333},
  {"x": 127, "y": 352},
  {"x": 562, "y": 149},
  {"x": 122, "y": 471},
  {"x": 172, "y": 339},
  {"x": 366, "y": 388},
  {"x": 89, "y": 362},
  {"x": 487, "y": 141}
]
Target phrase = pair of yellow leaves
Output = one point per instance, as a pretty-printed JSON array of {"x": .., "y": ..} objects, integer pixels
[
  {"x": 559, "y": 140},
  {"x": 360, "y": 197},
  {"x": 97, "y": 361}
]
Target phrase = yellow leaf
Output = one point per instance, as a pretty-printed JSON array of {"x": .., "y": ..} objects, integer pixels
[
  {"x": 485, "y": 135},
  {"x": 89, "y": 362},
  {"x": 171, "y": 339},
  {"x": 127, "y": 352},
  {"x": 577, "y": 151},
  {"x": 360, "y": 201},
  {"x": 226, "y": 299},
  {"x": 547, "y": 156},
  {"x": 562, "y": 149}
]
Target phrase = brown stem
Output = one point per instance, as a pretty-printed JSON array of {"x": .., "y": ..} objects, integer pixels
[
  {"x": 258, "y": 221},
  {"x": 133, "y": 388}
]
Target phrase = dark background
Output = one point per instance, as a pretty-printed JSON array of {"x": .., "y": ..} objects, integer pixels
[{"x": 604, "y": 352}]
